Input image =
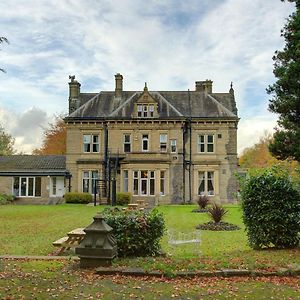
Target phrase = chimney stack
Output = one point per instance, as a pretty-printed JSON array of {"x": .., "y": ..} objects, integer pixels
[
  {"x": 204, "y": 86},
  {"x": 119, "y": 85},
  {"x": 74, "y": 92}
]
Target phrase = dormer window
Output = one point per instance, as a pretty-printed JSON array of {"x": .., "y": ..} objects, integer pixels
[{"x": 145, "y": 110}]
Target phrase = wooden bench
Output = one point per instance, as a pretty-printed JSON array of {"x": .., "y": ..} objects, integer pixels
[
  {"x": 71, "y": 241},
  {"x": 60, "y": 242}
]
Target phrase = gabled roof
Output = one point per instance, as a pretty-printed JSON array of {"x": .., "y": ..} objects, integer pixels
[
  {"x": 33, "y": 163},
  {"x": 171, "y": 104}
]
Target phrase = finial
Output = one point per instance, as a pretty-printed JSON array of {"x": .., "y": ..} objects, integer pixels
[
  {"x": 145, "y": 88},
  {"x": 72, "y": 77},
  {"x": 231, "y": 91}
]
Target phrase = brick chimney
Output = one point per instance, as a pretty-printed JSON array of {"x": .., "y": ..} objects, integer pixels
[
  {"x": 119, "y": 85},
  {"x": 74, "y": 92},
  {"x": 204, "y": 86}
]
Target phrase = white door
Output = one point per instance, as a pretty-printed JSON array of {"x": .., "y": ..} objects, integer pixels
[{"x": 57, "y": 187}]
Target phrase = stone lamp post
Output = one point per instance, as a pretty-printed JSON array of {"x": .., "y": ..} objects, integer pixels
[{"x": 98, "y": 248}]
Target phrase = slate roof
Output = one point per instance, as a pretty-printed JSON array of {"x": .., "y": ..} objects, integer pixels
[
  {"x": 171, "y": 104},
  {"x": 32, "y": 163}
]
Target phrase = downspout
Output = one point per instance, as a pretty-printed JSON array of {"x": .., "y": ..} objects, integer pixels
[
  {"x": 106, "y": 158},
  {"x": 190, "y": 162}
]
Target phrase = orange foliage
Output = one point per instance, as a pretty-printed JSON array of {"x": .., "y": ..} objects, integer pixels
[
  {"x": 259, "y": 156},
  {"x": 54, "y": 140}
]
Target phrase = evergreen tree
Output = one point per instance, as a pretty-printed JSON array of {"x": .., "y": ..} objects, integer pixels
[
  {"x": 6, "y": 143},
  {"x": 286, "y": 91}
]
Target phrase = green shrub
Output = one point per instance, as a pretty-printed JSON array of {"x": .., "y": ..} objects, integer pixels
[
  {"x": 123, "y": 198},
  {"x": 217, "y": 212},
  {"x": 78, "y": 198},
  {"x": 203, "y": 202},
  {"x": 138, "y": 233},
  {"x": 271, "y": 210},
  {"x": 6, "y": 199}
]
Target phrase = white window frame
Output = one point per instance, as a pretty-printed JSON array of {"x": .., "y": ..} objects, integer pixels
[
  {"x": 145, "y": 139},
  {"x": 125, "y": 181},
  {"x": 91, "y": 180},
  {"x": 27, "y": 178},
  {"x": 91, "y": 143},
  {"x": 173, "y": 143},
  {"x": 140, "y": 181},
  {"x": 204, "y": 144},
  {"x": 162, "y": 187},
  {"x": 145, "y": 110},
  {"x": 206, "y": 179},
  {"x": 163, "y": 142}
]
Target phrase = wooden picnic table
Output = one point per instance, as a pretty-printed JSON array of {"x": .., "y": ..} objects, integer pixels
[{"x": 73, "y": 239}]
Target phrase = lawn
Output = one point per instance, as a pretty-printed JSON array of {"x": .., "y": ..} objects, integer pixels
[
  {"x": 46, "y": 280},
  {"x": 30, "y": 230}
]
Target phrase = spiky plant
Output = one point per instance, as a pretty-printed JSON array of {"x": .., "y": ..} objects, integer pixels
[
  {"x": 203, "y": 202},
  {"x": 217, "y": 212}
]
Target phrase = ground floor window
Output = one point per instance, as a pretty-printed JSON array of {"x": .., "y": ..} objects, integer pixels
[
  {"x": 162, "y": 183},
  {"x": 206, "y": 183},
  {"x": 125, "y": 182},
  {"x": 144, "y": 183},
  {"x": 89, "y": 178},
  {"x": 27, "y": 186}
]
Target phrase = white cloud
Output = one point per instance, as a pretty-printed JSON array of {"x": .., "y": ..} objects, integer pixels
[
  {"x": 169, "y": 46},
  {"x": 252, "y": 129}
]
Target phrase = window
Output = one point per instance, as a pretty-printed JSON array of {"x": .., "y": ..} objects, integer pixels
[
  {"x": 173, "y": 144},
  {"x": 127, "y": 142},
  {"x": 145, "y": 142},
  {"x": 27, "y": 186},
  {"x": 206, "y": 143},
  {"x": 206, "y": 183},
  {"x": 88, "y": 181},
  {"x": 90, "y": 143},
  {"x": 144, "y": 183},
  {"x": 140, "y": 110},
  {"x": 125, "y": 182},
  {"x": 163, "y": 142},
  {"x": 53, "y": 185},
  {"x": 145, "y": 110},
  {"x": 162, "y": 182},
  {"x": 151, "y": 111}
]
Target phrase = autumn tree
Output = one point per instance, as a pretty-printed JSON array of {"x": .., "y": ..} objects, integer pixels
[
  {"x": 258, "y": 156},
  {"x": 6, "y": 143},
  {"x": 286, "y": 91},
  {"x": 3, "y": 40},
  {"x": 54, "y": 139}
]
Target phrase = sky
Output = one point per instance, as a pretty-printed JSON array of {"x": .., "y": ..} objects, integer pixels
[{"x": 169, "y": 44}]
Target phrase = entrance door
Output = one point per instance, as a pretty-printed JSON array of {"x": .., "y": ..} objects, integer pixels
[{"x": 57, "y": 187}]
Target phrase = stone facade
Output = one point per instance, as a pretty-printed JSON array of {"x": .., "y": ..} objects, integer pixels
[{"x": 144, "y": 140}]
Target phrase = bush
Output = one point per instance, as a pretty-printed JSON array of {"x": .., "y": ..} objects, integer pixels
[
  {"x": 123, "y": 198},
  {"x": 271, "y": 210},
  {"x": 217, "y": 212},
  {"x": 6, "y": 199},
  {"x": 203, "y": 202},
  {"x": 82, "y": 198},
  {"x": 138, "y": 233}
]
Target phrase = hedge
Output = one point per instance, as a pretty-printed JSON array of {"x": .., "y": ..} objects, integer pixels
[
  {"x": 123, "y": 198},
  {"x": 271, "y": 210},
  {"x": 138, "y": 233},
  {"x": 81, "y": 198}
]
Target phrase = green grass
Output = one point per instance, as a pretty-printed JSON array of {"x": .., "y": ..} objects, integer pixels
[
  {"x": 30, "y": 230},
  {"x": 60, "y": 280}
]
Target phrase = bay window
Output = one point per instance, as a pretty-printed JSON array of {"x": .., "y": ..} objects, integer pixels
[{"x": 144, "y": 183}]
